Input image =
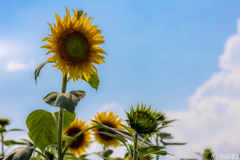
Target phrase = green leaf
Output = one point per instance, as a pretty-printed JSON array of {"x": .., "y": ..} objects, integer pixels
[
  {"x": 121, "y": 139},
  {"x": 42, "y": 129},
  {"x": 11, "y": 142},
  {"x": 21, "y": 153},
  {"x": 93, "y": 81},
  {"x": 167, "y": 144},
  {"x": 105, "y": 153},
  {"x": 15, "y": 129},
  {"x": 150, "y": 150},
  {"x": 165, "y": 135},
  {"x": 127, "y": 128},
  {"x": 38, "y": 69},
  {"x": 126, "y": 134},
  {"x": 67, "y": 101},
  {"x": 68, "y": 118}
]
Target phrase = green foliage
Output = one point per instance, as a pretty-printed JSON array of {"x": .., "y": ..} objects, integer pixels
[
  {"x": 42, "y": 128},
  {"x": 67, "y": 119},
  {"x": 66, "y": 101},
  {"x": 93, "y": 81},
  {"x": 38, "y": 69},
  {"x": 21, "y": 153}
]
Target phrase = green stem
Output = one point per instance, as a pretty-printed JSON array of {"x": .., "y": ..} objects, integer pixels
[
  {"x": 157, "y": 144},
  {"x": 75, "y": 137},
  {"x": 135, "y": 153},
  {"x": 41, "y": 154},
  {"x": 2, "y": 144},
  {"x": 60, "y": 121},
  {"x": 143, "y": 141}
]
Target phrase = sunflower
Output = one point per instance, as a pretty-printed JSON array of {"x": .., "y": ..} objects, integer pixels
[
  {"x": 74, "y": 43},
  {"x": 109, "y": 120},
  {"x": 82, "y": 142}
]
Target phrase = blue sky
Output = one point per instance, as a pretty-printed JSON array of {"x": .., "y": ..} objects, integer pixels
[{"x": 159, "y": 53}]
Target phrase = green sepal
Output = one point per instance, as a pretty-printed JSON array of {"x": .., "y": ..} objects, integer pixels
[
  {"x": 38, "y": 69},
  {"x": 93, "y": 81},
  {"x": 21, "y": 153},
  {"x": 68, "y": 118},
  {"x": 79, "y": 14},
  {"x": 12, "y": 142},
  {"x": 42, "y": 128},
  {"x": 126, "y": 134},
  {"x": 66, "y": 101}
]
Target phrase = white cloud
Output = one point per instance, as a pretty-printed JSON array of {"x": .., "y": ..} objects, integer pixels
[
  {"x": 7, "y": 49},
  {"x": 213, "y": 116},
  {"x": 19, "y": 64}
]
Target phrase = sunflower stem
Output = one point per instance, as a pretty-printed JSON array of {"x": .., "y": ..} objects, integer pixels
[
  {"x": 60, "y": 121},
  {"x": 2, "y": 145},
  {"x": 41, "y": 154},
  {"x": 135, "y": 153},
  {"x": 157, "y": 145},
  {"x": 75, "y": 137}
]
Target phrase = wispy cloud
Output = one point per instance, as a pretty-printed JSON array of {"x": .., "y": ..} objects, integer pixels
[
  {"x": 213, "y": 116},
  {"x": 19, "y": 65}
]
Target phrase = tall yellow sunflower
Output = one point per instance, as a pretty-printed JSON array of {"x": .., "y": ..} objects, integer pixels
[
  {"x": 109, "y": 120},
  {"x": 74, "y": 43},
  {"x": 82, "y": 142}
]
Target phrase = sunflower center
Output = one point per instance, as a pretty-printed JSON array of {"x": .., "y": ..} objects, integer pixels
[
  {"x": 76, "y": 46},
  {"x": 103, "y": 136},
  {"x": 79, "y": 141}
]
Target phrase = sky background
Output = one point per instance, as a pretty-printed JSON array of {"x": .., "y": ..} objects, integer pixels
[{"x": 181, "y": 57}]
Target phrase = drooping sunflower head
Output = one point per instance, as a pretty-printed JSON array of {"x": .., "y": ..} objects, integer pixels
[
  {"x": 74, "y": 43},
  {"x": 80, "y": 145},
  {"x": 110, "y": 120},
  {"x": 143, "y": 120}
]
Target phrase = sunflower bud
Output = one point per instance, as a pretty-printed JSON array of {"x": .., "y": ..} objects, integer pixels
[
  {"x": 143, "y": 120},
  {"x": 4, "y": 122}
]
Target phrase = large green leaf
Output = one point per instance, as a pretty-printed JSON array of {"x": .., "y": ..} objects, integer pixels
[
  {"x": 93, "y": 81},
  {"x": 42, "y": 128},
  {"x": 21, "y": 153},
  {"x": 68, "y": 118},
  {"x": 38, "y": 69},
  {"x": 126, "y": 135},
  {"x": 11, "y": 142},
  {"x": 67, "y": 101}
]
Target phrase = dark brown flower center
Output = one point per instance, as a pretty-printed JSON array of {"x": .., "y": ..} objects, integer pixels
[
  {"x": 74, "y": 47},
  {"x": 79, "y": 141},
  {"x": 103, "y": 136}
]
